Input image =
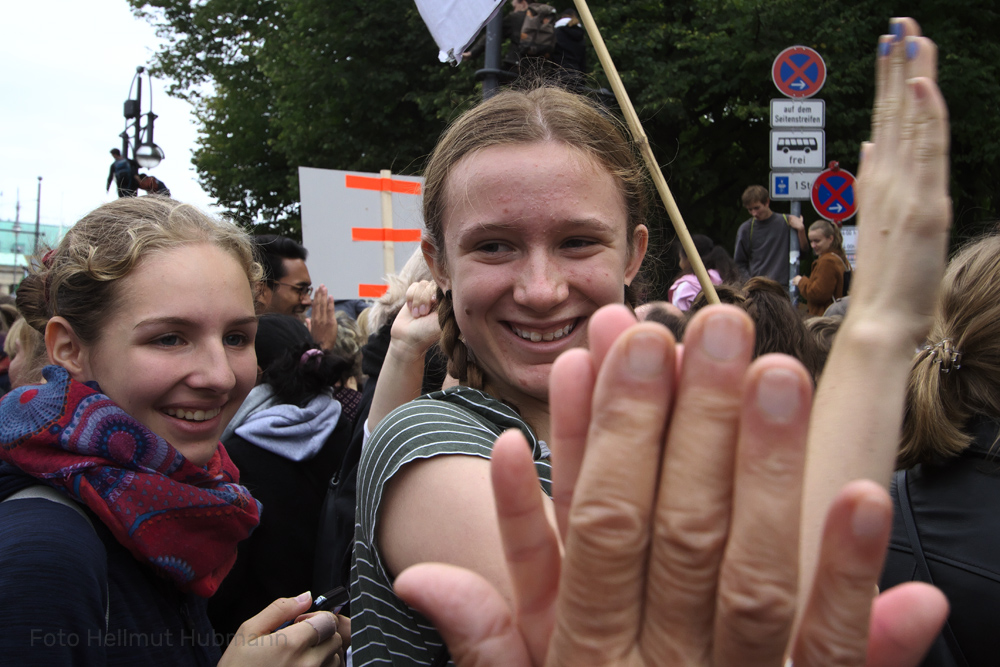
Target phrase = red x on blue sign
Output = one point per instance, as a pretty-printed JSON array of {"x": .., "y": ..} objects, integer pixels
[
  {"x": 798, "y": 72},
  {"x": 833, "y": 195}
]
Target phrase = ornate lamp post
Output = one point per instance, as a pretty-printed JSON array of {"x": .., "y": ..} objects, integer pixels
[{"x": 144, "y": 149}]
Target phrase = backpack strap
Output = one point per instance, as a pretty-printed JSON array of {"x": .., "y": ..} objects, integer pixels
[
  {"x": 922, "y": 569},
  {"x": 48, "y": 493}
]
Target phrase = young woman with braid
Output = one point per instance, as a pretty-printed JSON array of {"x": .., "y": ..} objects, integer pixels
[{"x": 534, "y": 209}]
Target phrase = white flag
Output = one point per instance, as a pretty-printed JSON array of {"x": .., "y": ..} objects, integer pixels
[{"x": 454, "y": 24}]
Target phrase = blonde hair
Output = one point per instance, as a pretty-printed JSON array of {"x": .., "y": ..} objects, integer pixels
[
  {"x": 946, "y": 390},
  {"x": 525, "y": 117},
  {"x": 829, "y": 229},
  {"x": 31, "y": 345},
  {"x": 349, "y": 343},
  {"x": 78, "y": 280}
]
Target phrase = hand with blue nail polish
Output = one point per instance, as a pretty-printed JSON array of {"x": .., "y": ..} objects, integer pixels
[{"x": 904, "y": 221}]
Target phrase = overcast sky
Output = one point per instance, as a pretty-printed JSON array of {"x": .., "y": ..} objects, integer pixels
[{"x": 65, "y": 71}]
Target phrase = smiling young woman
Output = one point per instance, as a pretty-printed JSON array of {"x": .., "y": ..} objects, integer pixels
[
  {"x": 125, "y": 511},
  {"x": 534, "y": 205}
]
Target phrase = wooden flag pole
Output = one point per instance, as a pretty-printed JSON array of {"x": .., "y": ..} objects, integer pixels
[
  {"x": 388, "y": 247},
  {"x": 639, "y": 136}
]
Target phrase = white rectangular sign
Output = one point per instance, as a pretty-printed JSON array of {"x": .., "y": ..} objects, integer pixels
[
  {"x": 850, "y": 234},
  {"x": 798, "y": 113},
  {"x": 334, "y": 204},
  {"x": 792, "y": 185},
  {"x": 805, "y": 149}
]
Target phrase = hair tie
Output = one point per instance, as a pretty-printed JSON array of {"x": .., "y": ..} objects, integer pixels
[
  {"x": 309, "y": 354},
  {"x": 945, "y": 355},
  {"x": 47, "y": 257}
]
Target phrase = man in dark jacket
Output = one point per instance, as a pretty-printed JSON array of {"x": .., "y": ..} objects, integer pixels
[{"x": 123, "y": 172}]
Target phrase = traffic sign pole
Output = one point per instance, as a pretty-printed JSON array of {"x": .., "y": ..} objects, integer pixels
[{"x": 798, "y": 142}]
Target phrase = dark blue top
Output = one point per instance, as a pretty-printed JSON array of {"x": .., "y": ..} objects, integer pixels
[{"x": 59, "y": 576}]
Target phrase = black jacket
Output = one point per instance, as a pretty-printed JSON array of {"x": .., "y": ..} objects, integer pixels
[{"x": 956, "y": 510}]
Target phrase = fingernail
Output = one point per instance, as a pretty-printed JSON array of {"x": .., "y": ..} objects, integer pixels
[
  {"x": 722, "y": 338},
  {"x": 305, "y": 597},
  {"x": 884, "y": 46},
  {"x": 778, "y": 395},
  {"x": 646, "y": 354},
  {"x": 912, "y": 47},
  {"x": 897, "y": 30},
  {"x": 870, "y": 519}
]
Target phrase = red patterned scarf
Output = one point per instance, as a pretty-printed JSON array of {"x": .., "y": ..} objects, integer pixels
[{"x": 182, "y": 519}]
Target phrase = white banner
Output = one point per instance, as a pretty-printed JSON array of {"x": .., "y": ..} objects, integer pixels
[{"x": 454, "y": 24}]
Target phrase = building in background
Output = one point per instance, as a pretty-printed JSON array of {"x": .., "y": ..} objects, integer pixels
[{"x": 17, "y": 244}]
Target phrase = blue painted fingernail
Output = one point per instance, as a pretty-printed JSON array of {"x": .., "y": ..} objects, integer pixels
[
  {"x": 897, "y": 30},
  {"x": 884, "y": 47},
  {"x": 912, "y": 48}
]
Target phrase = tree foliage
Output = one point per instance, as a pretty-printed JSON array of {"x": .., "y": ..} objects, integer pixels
[
  {"x": 357, "y": 85},
  {"x": 279, "y": 84}
]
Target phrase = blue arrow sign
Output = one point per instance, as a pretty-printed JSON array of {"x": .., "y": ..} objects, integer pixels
[{"x": 833, "y": 195}]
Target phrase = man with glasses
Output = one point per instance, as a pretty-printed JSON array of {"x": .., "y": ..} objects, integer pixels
[{"x": 287, "y": 287}]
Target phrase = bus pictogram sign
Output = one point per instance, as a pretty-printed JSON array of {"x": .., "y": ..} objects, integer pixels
[{"x": 798, "y": 72}]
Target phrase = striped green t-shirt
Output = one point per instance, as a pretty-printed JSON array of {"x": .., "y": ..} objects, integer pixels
[{"x": 384, "y": 630}]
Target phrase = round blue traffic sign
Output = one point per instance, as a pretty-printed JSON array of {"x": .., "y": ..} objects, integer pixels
[
  {"x": 798, "y": 72},
  {"x": 833, "y": 195}
]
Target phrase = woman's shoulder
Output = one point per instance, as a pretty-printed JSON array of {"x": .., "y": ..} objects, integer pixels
[
  {"x": 52, "y": 538},
  {"x": 468, "y": 413},
  {"x": 455, "y": 421},
  {"x": 832, "y": 261},
  {"x": 53, "y": 563}
]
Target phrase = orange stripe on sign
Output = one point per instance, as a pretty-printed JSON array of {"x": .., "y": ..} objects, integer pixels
[
  {"x": 380, "y": 184},
  {"x": 383, "y": 234},
  {"x": 371, "y": 291}
]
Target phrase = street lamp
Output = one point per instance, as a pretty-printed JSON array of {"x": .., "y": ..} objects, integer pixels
[{"x": 144, "y": 149}]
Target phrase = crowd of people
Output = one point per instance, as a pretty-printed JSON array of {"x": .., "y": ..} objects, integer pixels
[{"x": 511, "y": 469}]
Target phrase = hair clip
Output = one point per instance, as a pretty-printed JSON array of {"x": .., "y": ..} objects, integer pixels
[{"x": 945, "y": 355}]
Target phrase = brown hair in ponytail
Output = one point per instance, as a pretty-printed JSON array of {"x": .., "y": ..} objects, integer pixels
[{"x": 946, "y": 390}]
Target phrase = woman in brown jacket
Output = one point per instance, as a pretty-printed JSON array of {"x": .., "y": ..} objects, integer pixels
[{"x": 826, "y": 280}]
